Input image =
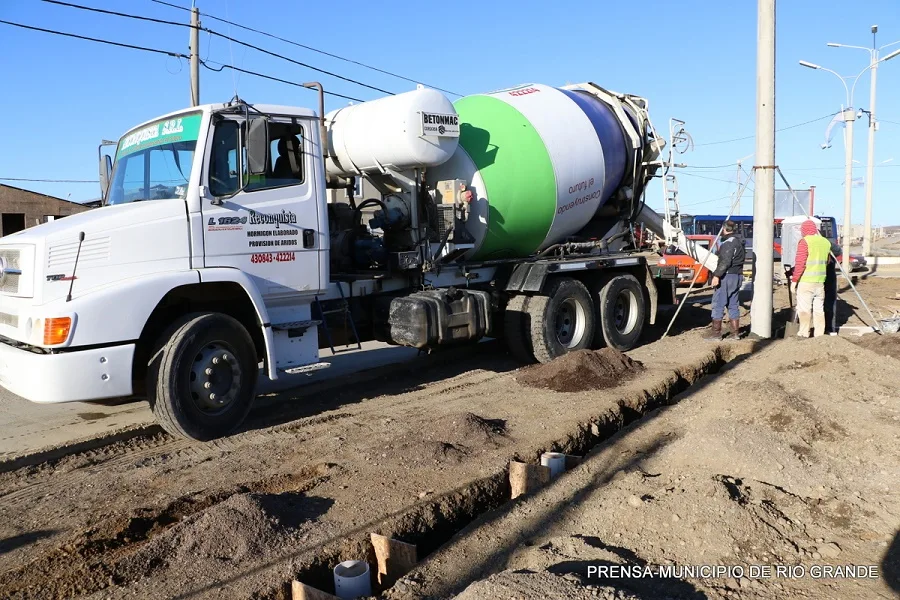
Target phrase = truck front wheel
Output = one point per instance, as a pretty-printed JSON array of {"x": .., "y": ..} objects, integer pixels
[
  {"x": 622, "y": 312},
  {"x": 561, "y": 319},
  {"x": 201, "y": 378}
]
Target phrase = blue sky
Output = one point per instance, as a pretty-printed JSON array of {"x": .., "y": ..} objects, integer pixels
[{"x": 62, "y": 96}]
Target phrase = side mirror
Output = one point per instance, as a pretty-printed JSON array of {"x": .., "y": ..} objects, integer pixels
[
  {"x": 258, "y": 146},
  {"x": 105, "y": 172}
]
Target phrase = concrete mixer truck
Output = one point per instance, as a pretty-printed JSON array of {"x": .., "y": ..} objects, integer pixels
[{"x": 217, "y": 250}]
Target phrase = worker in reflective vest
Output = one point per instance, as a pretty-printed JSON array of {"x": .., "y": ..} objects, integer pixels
[{"x": 809, "y": 279}]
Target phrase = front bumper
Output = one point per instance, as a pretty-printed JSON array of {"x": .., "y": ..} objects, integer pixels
[{"x": 74, "y": 376}]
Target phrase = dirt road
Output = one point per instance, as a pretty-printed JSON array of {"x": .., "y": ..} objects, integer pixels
[{"x": 27, "y": 428}]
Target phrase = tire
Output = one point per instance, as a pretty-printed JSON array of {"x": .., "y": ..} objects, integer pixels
[
  {"x": 562, "y": 319},
  {"x": 516, "y": 329},
  {"x": 183, "y": 358},
  {"x": 622, "y": 310}
]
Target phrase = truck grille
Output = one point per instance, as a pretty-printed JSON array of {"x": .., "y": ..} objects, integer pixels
[
  {"x": 9, "y": 282},
  {"x": 9, "y": 320}
]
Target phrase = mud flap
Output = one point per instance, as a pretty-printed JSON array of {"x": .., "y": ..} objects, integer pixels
[{"x": 650, "y": 286}]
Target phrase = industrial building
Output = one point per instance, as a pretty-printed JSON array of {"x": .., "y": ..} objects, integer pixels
[{"x": 20, "y": 209}]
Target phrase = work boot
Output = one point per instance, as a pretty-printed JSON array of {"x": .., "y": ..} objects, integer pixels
[
  {"x": 715, "y": 332},
  {"x": 735, "y": 328}
]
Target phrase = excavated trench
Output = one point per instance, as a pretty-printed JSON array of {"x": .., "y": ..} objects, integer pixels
[
  {"x": 431, "y": 524},
  {"x": 123, "y": 551}
]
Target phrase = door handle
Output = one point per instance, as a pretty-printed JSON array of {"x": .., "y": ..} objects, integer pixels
[{"x": 309, "y": 238}]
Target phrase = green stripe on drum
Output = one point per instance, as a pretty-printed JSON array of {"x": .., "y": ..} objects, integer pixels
[{"x": 517, "y": 172}]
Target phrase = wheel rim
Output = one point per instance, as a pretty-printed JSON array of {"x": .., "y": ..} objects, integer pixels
[
  {"x": 570, "y": 323},
  {"x": 215, "y": 378},
  {"x": 625, "y": 312}
]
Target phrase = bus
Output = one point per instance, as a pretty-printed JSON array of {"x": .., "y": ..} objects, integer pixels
[{"x": 712, "y": 225}]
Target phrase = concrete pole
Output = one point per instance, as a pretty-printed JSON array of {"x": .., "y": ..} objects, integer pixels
[
  {"x": 849, "y": 118},
  {"x": 870, "y": 169},
  {"x": 195, "y": 56},
  {"x": 764, "y": 192}
]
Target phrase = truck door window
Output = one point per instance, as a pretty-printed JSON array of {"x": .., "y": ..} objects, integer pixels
[
  {"x": 286, "y": 157},
  {"x": 285, "y": 165}
]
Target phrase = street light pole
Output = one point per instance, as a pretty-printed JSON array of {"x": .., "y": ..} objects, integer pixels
[
  {"x": 870, "y": 169},
  {"x": 849, "y": 117}
]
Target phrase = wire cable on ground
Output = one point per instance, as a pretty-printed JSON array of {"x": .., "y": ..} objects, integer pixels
[
  {"x": 310, "y": 48},
  {"x": 831, "y": 254},
  {"x": 227, "y": 37}
]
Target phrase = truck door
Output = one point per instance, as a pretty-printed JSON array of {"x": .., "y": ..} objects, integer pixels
[{"x": 265, "y": 225}]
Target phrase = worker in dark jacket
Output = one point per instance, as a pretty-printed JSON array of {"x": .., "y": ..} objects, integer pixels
[{"x": 727, "y": 281}]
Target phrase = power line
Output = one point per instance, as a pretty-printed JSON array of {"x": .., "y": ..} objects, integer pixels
[
  {"x": 117, "y": 14},
  {"x": 91, "y": 39},
  {"x": 49, "y": 180},
  {"x": 750, "y": 137},
  {"x": 270, "y": 77},
  {"x": 705, "y": 177},
  {"x": 222, "y": 35},
  {"x": 166, "y": 52},
  {"x": 305, "y": 47}
]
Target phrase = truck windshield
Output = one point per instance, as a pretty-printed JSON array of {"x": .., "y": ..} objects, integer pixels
[{"x": 154, "y": 162}]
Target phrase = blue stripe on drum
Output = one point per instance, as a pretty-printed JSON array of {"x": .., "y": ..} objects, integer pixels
[{"x": 610, "y": 134}]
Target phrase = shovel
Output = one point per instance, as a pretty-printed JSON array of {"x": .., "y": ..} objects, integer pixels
[{"x": 792, "y": 327}]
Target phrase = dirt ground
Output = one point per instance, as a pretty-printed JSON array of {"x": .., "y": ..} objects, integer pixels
[
  {"x": 414, "y": 455},
  {"x": 162, "y": 518},
  {"x": 776, "y": 463}
]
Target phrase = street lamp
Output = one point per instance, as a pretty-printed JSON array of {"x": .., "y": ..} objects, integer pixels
[
  {"x": 849, "y": 116},
  {"x": 870, "y": 170}
]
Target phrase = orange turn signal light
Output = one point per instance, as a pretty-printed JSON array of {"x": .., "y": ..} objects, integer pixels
[{"x": 56, "y": 330}]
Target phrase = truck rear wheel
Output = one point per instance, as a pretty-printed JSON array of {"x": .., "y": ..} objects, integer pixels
[
  {"x": 622, "y": 312},
  {"x": 562, "y": 319},
  {"x": 202, "y": 376}
]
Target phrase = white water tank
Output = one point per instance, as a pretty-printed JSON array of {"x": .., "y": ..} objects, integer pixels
[{"x": 411, "y": 130}]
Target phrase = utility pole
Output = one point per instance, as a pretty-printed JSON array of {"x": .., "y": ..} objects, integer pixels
[
  {"x": 870, "y": 168},
  {"x": 849, "y": 118},
  {"x": 764, "y": 192},
  {"x": 738, "y": 187},
  {"x": 195, "y": 56}
]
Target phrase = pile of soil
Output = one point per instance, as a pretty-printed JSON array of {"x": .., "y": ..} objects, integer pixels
[
  {"x": 450, "y": 439},
  {"x": 245, "y": 526},
  {"x": 581, "y": 371},
  {"x": 888, "y": 344}
]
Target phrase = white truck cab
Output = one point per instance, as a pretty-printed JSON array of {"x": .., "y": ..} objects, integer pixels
[{"x": 191, "y": 226}]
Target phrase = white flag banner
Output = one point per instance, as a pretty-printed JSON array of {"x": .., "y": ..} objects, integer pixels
[{"x": 838, "y": 118}]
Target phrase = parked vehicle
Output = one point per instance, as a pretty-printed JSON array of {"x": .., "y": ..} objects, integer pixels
[{"x": 688, "y": 267}]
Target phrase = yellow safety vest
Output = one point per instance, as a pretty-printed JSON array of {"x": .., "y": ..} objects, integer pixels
[{"x": 816, "y": 261}]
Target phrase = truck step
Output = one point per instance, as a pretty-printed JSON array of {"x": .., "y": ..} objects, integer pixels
[
  {"x": 306, "y": 369},
  {"x": 295, "y": 325}
]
